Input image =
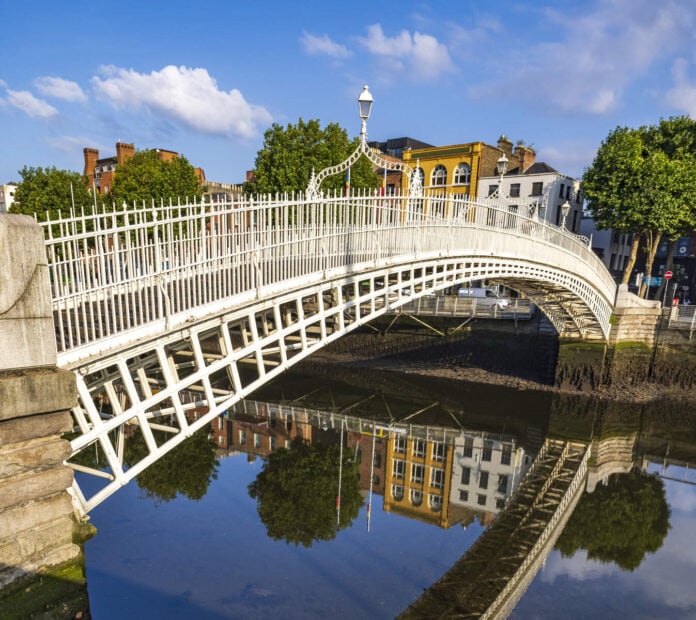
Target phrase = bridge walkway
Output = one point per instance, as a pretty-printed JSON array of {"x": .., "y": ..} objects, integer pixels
[{"x": 480, "y": 584}]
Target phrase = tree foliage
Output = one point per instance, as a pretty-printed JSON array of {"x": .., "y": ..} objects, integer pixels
[
  {"x": 50, "y": 190},
  {"x": 619, "y": 522},
  {"x": 186, "y": 470},
  {"x": 290, "y": 154},
  {"x": 643, "y": 181},
  {"x": 146, "y": 177},
  {"x": 296, "y": 493}
]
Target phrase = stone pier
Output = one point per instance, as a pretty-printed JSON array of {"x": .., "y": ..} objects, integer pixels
[{"x": 36, "y": 514}]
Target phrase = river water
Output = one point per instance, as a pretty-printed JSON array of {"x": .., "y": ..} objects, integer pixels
[{"x": 193, "y": 539}]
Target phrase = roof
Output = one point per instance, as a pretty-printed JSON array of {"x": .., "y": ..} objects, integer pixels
[{"x": 539, "y": 167}]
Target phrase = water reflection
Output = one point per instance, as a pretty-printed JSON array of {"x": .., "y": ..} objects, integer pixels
[{"x": 418, "y": 459}]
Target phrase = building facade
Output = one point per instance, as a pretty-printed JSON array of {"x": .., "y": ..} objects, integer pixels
[
  {"x": 100, "y": 172},
  {"x": 457, "y": 168},
  {"x": 7, "y": 196},
  {"x": 540, "y": 186}
]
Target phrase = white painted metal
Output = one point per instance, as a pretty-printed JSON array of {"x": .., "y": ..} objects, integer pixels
[{"x": 154, "y": 304}]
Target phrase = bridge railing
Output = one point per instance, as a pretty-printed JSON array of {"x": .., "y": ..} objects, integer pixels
[{"x": 118, "y": 270}]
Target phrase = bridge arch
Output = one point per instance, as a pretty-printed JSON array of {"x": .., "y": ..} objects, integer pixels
[{"x": 159, "y": 311}]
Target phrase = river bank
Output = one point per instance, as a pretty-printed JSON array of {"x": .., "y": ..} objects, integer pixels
[{"x": 523, "y": 358}]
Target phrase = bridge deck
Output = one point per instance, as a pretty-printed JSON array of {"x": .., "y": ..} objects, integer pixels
[{"x": 475, "y": 583}]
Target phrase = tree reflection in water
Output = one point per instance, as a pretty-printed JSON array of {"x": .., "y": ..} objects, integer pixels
[
  {"x": 296, "y": 492},
  {"x": 619, "y": 522}
]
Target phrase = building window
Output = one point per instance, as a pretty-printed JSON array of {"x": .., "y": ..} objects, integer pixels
[
  {"x": 257, "y": 440},
  {"x": 487, "y": 450},
  {"x": 560, "y": 193},
  {"x": 400, "y": 444},
  {"x": 506, "y": 455},
  {"x": 500, "y": 503},
  {"x": 242, "y": 437},
  {"x": 514, "y": 190},
  {"x": 483, "y": 480},
  {"x": 492, "y": 189},
  {"x": 463, "y": 496},
  {"x": 439, "y": 176},
  {"x": 419, "y": 448},
  {"x": 568, "y": 193},
  {"x": 435, "y": 502},
  {"x": 537, "y": 188},
  {"x": 417, "y": 473},
  {"x": 416, "y": 497},
  {"x": 437, "y": 478},
  {"x": 468, "y": 447},
  {"x": 397, "y": 492},
  {"x": 502, "y": 483},
  {"x": 462, "y": 174},
  {"x": 399, "y": 469},
  {"x": 466, "y": 475},
  {"x": 438, "y": 451},
  {"x": 377, "y": 460},
  {"x": 273, "y": 443},
  {"x": 481, "y": 500}
]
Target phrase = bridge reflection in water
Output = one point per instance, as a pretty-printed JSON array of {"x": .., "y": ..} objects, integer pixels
[{"x": 439, "y": 475}]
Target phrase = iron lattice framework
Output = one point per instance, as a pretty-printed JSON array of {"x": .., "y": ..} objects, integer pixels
[
  {"x": 488, "y": 581},
  {"x": 166, "y": 311}
]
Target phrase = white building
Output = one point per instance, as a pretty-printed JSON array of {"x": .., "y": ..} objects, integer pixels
[
  {"x": 539, "y": 185},
  {"x": 486, "y": 470},
  {"x": 7, "y": 196}
]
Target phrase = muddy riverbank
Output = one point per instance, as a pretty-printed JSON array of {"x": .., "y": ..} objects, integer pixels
[{"x": 522, "y": 357}]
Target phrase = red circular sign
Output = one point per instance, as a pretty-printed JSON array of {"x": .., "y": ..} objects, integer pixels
[{"x": 668, "y": 275}]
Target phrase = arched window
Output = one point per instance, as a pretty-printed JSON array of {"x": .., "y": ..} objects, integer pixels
[
  {"x": 439, "y": 176},
  {"x": 462, "y": 174},
  {"x": 416, "y": 497},
  {"x": 397, "y": 492},
  {"x": 435, "y": 502}
]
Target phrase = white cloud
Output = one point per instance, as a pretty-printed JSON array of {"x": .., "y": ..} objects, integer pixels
[
  {"x": 26, "y": 102},
  {"x": 420, "y": 53},
  {"x": 683, "y": 95},
  {"x": 60, "y": 89},
  {"x": 323, "y": 45},
  {"x": 188, "y": 96},
  {"x": 599, "y": 54}
]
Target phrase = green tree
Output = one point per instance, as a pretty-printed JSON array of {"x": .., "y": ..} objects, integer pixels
[
  {"x": 641, "y": 182},
  {"x": 296, "y": 493},
  {"x": 619, "y": 522},
  {"x": 50, "y": 191},
  {"x": 290, "y": 154},
  {"x": 186, "y": 470},
  {"x": 146, "y": 177}
]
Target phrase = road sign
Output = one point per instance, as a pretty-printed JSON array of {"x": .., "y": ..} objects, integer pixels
[{"x": 668, "y": 275}]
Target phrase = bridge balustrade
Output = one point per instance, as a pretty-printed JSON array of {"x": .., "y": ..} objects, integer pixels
[{"x": 117, "y": 271}]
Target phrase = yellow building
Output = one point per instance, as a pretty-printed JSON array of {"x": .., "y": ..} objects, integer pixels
[
  {"x": 418, "y": 476},
  {"x": 456, "y": 169}
]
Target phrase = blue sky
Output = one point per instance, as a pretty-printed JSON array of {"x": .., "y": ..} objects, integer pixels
[{"x": 207, "y": 78}]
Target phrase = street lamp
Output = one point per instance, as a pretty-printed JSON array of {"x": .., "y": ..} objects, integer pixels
[
  {"x": 565, "y": 209},
  {"x": 502, "y": 169},
  {"x": 364, "y": 107}
]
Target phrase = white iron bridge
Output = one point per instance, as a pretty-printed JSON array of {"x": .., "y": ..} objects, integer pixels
[{"x": 154, "y": 304}]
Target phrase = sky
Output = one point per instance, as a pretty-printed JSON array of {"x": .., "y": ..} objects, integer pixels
[{"x": 208, "y": 78}]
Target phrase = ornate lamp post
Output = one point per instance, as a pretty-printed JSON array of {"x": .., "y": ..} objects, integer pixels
[
  {"x": 502, "y": 169},
  {"x": 565, "y": 209},
  {"x": 365, "y": 101},
  {"x": 364, "y": 107}
]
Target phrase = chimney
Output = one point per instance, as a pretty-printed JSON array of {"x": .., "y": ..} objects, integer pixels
[
  {"x": 124, "y": 151},
  {"x": 505, "y": 145},
  {"x": 525, "y": 156},
  {"x": 91, "y": 157}
]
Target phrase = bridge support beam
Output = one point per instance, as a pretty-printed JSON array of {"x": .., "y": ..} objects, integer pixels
[{"x": 36, "y": 513}]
